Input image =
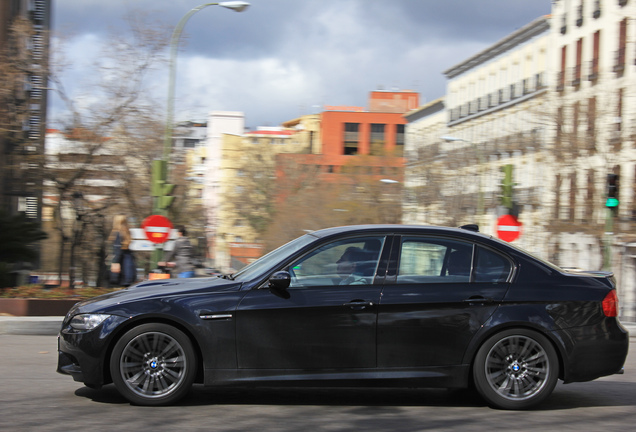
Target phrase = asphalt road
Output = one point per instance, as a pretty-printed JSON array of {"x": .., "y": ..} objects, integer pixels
[{"x": 33, "y": 397}]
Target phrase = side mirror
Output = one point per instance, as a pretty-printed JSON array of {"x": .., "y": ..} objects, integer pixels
[{"x": 278, "y": 284}]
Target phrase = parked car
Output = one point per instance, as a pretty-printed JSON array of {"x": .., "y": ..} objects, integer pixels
[{"x": 380, "y": 305}]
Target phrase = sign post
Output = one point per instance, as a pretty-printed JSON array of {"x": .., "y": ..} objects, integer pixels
[
  {"x": 508, "y": 228},
  {"x": 157, "y": 229}
]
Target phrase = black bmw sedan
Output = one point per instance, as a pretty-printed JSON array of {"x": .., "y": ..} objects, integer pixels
[{"x": 377, "y": 305}]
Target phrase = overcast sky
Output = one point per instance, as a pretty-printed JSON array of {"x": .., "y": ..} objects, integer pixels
[{"x": 280, "y": 59}]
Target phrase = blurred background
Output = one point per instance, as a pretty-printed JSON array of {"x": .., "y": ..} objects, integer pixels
[{"x": 274, "y": 119}]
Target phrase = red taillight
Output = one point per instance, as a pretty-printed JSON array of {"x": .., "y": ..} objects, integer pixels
[{"x": 610, "y": 304}]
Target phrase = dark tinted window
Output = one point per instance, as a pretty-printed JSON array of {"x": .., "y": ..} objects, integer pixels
[{"x": 491, "y": 267}]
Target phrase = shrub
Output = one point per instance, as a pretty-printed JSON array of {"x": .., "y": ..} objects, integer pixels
[{"x": 40, "y": 292}]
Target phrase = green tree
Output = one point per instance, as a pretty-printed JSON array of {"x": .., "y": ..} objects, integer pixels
[{"x": 17, "y": 234}]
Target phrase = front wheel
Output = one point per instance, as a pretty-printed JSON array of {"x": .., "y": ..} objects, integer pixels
[
  {"x": 516, "y": 369},
  {"x": 153, "y": 364}
]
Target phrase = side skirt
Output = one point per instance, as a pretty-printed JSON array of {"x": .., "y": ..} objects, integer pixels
[{"x": 434, "y": 377}]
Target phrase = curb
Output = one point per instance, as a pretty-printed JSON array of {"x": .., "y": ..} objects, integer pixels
[
  {"x": 34, "y": 326},
  {"x": 50, "y": 326}
]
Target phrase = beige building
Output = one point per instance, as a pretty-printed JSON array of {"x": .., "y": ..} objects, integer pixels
[{"x": 247, "y": 162}]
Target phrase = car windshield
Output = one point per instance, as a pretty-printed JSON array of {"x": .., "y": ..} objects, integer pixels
[{"x": 271, "y": 259}]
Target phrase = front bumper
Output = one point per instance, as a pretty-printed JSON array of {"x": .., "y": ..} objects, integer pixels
[{"x": 85, "y": 355}]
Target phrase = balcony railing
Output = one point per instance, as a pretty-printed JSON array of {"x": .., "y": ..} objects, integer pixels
[
  {"x": 593, "y": 68},
  {"x": 576, "y": 75},
  {"x": 619, "y": 62},
  {"x": 560, "y": 81}
]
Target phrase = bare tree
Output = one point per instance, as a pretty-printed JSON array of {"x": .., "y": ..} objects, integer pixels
[{"x": 114, "y": 137}]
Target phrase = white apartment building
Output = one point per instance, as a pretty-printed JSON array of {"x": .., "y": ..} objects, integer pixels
[
  {"x": 492, "y": 116},
  {"x": 554, "y": 100},
  {"x": 424, "y": 164},
  {"x": 594, "y": 54},
  {"x": 219, "y": 124}
]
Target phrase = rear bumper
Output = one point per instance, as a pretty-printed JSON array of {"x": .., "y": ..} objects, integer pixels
[{"x": 594, "y": 351}]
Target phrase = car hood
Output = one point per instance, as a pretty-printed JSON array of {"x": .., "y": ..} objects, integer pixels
[{"x": 156, "y": 289}]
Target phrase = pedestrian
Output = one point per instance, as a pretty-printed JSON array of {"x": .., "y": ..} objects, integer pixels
[
  {"x": 180, "y": 257},
  {"x": 123, "y": 268}
]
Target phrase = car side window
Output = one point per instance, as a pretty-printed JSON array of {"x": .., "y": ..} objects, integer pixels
[
  {"x": 345, "y": 262},
  {"x": 491, "y": 266},
  {"x": 433, "y": 260}
]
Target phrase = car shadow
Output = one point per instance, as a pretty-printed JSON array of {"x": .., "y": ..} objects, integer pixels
[{"x": 565, "y": 397}]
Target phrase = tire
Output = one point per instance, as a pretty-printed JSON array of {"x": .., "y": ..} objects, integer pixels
[
  {"x": 153, "y": 364},
  {"x": 516, "y": 369}
]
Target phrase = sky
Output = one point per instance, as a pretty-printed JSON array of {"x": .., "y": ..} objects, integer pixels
[{"x": 281, "y": 59}]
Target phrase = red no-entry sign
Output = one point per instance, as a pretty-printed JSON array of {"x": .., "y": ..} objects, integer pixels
[
  {"x": 508, "y": 228},
  {"x": 157, "y": 228}
]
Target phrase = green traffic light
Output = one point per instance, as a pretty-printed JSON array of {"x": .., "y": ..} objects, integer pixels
[{"x": 611, "y": 203}]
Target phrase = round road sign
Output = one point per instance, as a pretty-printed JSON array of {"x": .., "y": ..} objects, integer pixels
[
  {"x": 508, "y": 228},
  {"x": 157, "y": 228}
]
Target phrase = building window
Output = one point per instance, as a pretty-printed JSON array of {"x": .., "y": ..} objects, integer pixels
[
  {"x": 572, "y": 209},
  {"x": 619, "y": 64},
  {"x": 399, "y": 137},
  {"x": 594, "y": 64},
  {"x": 28, "y": 205},
  {"x": 591, "y": 121},
  {"x": 561, "y": 76},
  {"x": 575, "y": 122},
  {"x": 564, "y": 22},
  {"x": 589, "y": 202},
  {"x": 557, "y": 196},
  {"x": 559, "y": 125},
  {"x": 577, "y": 68},
  {"x": 351, "y": 138},
  {"x": 377, "y": 138},
  {"x": 597, "y": 9},
  {"x": 619, "y": 110}
]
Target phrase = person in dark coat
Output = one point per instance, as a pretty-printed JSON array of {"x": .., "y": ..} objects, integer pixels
[
  {"x": 123, "y": 268},
  {"x": 180, "y": 258}
]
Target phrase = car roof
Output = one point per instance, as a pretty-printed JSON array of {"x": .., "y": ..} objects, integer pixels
[{"x": 419, "y": 229}]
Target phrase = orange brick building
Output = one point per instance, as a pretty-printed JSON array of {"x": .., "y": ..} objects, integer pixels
[{"x": 376, "y": 133}]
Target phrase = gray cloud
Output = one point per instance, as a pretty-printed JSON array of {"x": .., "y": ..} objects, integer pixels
[{"x": 281, "y": 57}]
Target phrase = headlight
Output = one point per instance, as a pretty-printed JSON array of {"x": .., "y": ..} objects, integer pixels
[{"x": 87, "y": 321}]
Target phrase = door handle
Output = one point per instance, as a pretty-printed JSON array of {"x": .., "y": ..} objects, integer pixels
[
  {"x": 358, "y": 304},
  {"x": 478, "y": 299}
]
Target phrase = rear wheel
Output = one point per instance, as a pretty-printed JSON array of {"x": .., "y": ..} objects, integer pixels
[
  {"x": 516, "y": 369},
  {"x": 153, "y": 364}
]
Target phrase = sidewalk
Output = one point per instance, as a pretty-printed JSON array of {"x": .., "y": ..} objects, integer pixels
[{"x": 50, "y": 326}]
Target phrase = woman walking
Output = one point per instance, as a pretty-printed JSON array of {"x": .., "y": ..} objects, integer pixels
[{"x": 123, "y": 268}]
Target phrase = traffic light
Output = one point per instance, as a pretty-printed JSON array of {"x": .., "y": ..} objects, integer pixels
[
  {"x": 612, "y": 191},
  {"x": 507, "y": 186},
  {"x": 160, "y": 189}
]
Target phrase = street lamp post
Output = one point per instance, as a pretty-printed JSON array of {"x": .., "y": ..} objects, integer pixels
[
  {"x": 238, "y": 6},
  {"x": 480, "y": 197},
  {"x": 159, "y": 186}
]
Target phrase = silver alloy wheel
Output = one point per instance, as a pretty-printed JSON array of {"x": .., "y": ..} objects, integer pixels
[
  {"x": 517, "y": 367},
  {"x": 153, "y": 364}
]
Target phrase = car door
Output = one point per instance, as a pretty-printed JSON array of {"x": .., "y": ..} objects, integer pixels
[
  {"x": 438, "y": 293},
  {"x": 321, "y": 323}
]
